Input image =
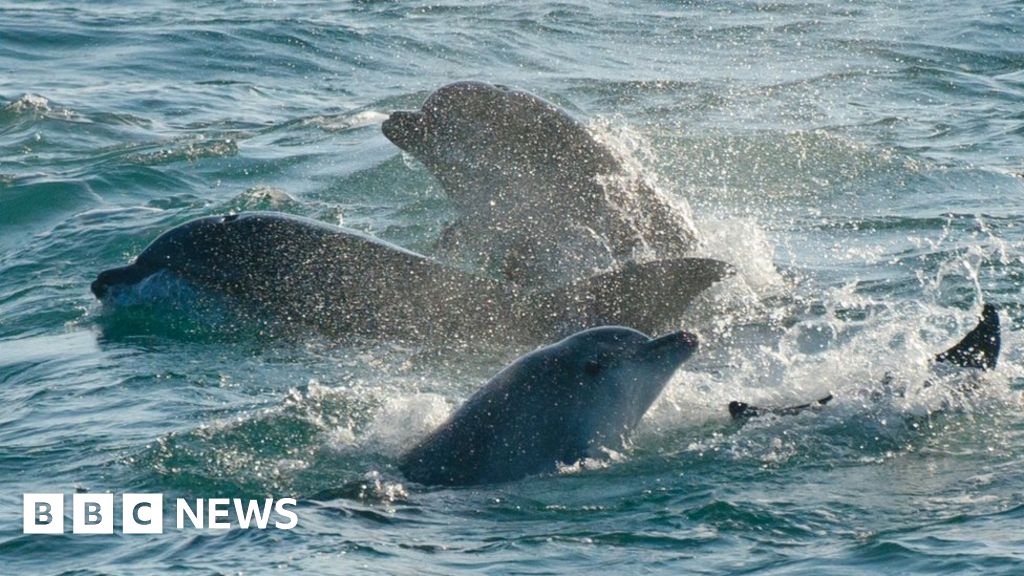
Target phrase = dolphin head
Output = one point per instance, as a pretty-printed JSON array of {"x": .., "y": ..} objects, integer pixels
[
  {"x": 473, "y": 134},
  {"x": 558, "y": 404},
  {"x": 476, "y": 116},
  {"x": 197, "y": 250},
  {"x": 614, "y": 375}
]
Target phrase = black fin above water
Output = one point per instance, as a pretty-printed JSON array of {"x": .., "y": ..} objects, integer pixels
[
  {"x": 741, "y": 410},
  {"x": 980, "y": 348}
]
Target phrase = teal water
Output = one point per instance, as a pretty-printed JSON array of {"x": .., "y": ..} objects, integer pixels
[{"x": 861, "y": 164}]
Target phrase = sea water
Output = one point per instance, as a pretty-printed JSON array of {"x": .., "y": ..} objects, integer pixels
[{"x": 861, "y": 164}]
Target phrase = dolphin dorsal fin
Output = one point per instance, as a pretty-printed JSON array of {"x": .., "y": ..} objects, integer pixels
[
  {"x": 980, "y": 348},
  {"x": 614, "y": 298}
]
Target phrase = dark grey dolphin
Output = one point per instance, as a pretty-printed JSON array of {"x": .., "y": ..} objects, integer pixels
[
  {"x": 308, "y": 272},
  {"x": 344, "y": 282},
  {"x": 559, "y": 404},
  {"x": 979, "y": 350},
  {"x": 537, "y": 194}
]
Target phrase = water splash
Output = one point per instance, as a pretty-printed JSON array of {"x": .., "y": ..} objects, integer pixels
[{"x": 33, "y": 103}]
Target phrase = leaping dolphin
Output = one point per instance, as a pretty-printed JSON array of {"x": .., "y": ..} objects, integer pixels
[
  {"x": 344, "y": 282},
  {"x": 537, "y": 194}
]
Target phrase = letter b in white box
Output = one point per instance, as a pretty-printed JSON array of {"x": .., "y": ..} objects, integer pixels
[
  {"x": 92, "y": 513},
  {"x": 43, "y": 514},
  {"x": 142, "y": 513}
]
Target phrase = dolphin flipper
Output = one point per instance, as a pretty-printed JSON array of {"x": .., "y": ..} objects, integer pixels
[
  {"x": 980, "y": 348},
  {"x": 742, "y": 410}
]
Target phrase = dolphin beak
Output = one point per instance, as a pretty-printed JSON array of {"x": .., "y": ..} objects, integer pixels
[
  {"x": 660, "y": 358},
  {"x": 404, "y": 129},
  {"x": 672, "y": 349},
  {"x": 126, "y": 275}
]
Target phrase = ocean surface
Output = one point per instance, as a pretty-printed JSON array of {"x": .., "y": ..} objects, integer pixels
[{"x": 861, "y": 164}]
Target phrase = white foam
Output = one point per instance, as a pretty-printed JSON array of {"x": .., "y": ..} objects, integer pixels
[
  {"x": 741, "y": 242},
  {"x": 745, "y": 245},
  {"x": 633, "y": 153},
  {"x": 345, "y": 122},
  {"x": 879, "y": 368},
  {"x": 264, "y": 198},
  {"x": 29, "y": 103},
  {"x": 403, "y": 420}
]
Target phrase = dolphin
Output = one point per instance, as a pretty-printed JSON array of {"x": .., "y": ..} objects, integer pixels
[
  {"x": 312, "y": 273},
  {"x": 341, "y": 281},
  {"x": 560, "y": 404},
  {"x": 536, "y": 193},
  {"x": 978, "y": 350}
]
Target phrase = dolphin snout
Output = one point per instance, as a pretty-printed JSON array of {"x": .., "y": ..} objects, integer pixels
[
  {"x": 125, "y": 275},
  {"x": 98, "y": 288},
  {"x": 676, "y": 347},
  {"x": 404, "y": 128}
]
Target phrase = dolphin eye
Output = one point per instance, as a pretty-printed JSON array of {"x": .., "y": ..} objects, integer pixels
[{"x": 592, "y": 368}]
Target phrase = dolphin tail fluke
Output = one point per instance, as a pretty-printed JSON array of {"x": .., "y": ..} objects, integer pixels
[
  {"x": 742, "y": 410},
  {"x": 980, "y": 348}
]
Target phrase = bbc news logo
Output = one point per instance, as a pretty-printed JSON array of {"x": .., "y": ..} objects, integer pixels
[{"x": 144, "y": 513}]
